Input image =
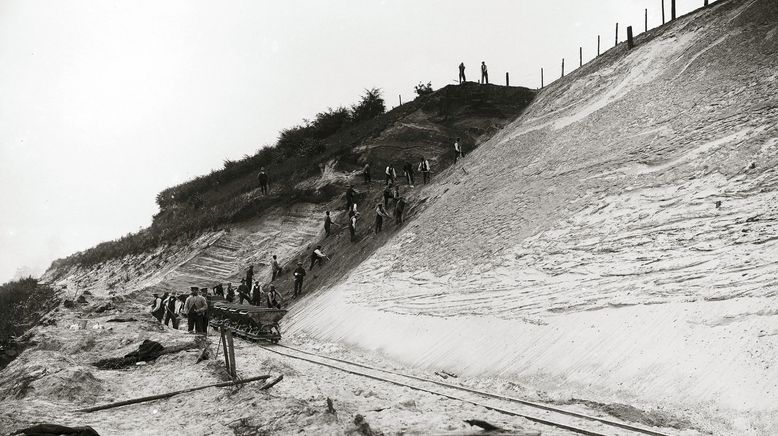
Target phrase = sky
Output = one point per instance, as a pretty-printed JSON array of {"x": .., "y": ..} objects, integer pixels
[{"x": 103, "y": 104}]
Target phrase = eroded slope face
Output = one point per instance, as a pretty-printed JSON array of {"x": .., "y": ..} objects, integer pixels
[{"x": 646, "y": 179}]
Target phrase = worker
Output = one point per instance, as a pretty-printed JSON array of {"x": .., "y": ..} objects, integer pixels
[
  {"x": 250, "y": 275},
  {"x": 275, "y": 267},
  {"x": 408, "y": 172},
  {"x": 353, "y": 210},
  {"x": 243, "y": 292},
  {"x": 327, "y": 223},
  {"x": 317, "y": 257},
  {"x": 398, "y": 211},
  {"x": 195, "y": 308},
  {"x": 388, "y": 193},
  {"x": 230, "y": 293},
  {"x": 256, "y": 295},
  {"x": 218, "y": 290},
  {"x": 380, "y": 214},
  {"x": 273, "y": 298},
  {"x": 462, "y": 73},
  {"x": 351, "y": 196},
  {"x": 391, "y": 174},
  {"x": 484, "y": 73},
  {"x": 263, "y": 181},
  {"x": 157, "y": 309},
  {"x": 424, "y": 169},
  {"x": 457, "y": 150},
  {"x": 299, "y": 275},
  {"x": 366, "y": 173},
  {"x": 352, "y": 228},
  {"x": 169, "y": 304}
]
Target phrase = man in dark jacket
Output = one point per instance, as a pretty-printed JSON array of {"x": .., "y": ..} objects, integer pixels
[
  {"x": 170, "y": 311},
  {"x": 243, "y": 292},
  {"x": 327, "y": 223},
  {"x": 398, "y": 211},
  {"x": 157, "y": 308},
  {"x": 250, "y": 276},
  {"x": 351, "y": 196},
  {"x": 408, "y": 171},
  {"x": 299, "y": 275},
  {"x": 263, "y": 181}
]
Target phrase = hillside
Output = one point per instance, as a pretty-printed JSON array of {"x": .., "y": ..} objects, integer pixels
[{"x": 606, "y": 246}]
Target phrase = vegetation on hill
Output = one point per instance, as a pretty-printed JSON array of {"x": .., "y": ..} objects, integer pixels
[
  {"x": 230, "y": 194},
  {"x": 22, "y": 304}
]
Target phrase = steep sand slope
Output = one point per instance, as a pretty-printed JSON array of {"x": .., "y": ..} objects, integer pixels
[{"x": 582, "y": 251}]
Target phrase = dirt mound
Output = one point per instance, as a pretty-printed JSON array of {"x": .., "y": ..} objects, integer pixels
[{"x": 49, "y": 375}]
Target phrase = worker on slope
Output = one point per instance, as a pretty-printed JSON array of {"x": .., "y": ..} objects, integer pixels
[
  {"x": 218, "y": 290},
  {"x": 195, "y": 307},
  {"x": 380, "y": 214},
  {"x": 275, "y": 267},
  {"x": 398, "y": 211},
  {"x": 462, "y": 73},
  {"x": 458, "y": 150},
  {"x": 327, "y": 224},
  {"x": 263, "y": 181},
  {"x": 317, "y": 257},
  {"x": 169, "y": 304},
  {"x": 408, "y": 172},
  {"x": 230, "y": 293},
  {"x": 366, "y": 173},
  {"x": 256, "y": 295},
  {"x": 484, "y": 73},
  {"x": 352, "y": 228},
  {"x": 391, "y": 174},
  {"x": 424, "y": 169},
  {"x": 388, "y": 194},
  {"x": 299, "y": 275},
  {"x": 351, "y": 196},
  {"x": 273, "y": 298}
]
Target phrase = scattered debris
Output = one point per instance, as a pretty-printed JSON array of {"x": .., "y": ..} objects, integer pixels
[
  {"x": 272, "y": 383},
  {"x": 56, "y": 430},
  {"x": 69, "y": 304},
  {"x": 122, "y": 320},
  {"x": 718, "y": 204},
  {"x": 148, "y": 350},
  {"x": 203, "y": 355},
  {"x": 752, "y": 219},
  {"x": 450, "y": 374},
  {"x": 441, "y": 375},
  {"x": 363, "y": 428},
  {"x": 752, "y": 166},
  {"x": 105, "y": 307},
  {"x": 483, "y": 424},
  {"x": 330, "y": 407},
  {"x": 81, "y": 300}
]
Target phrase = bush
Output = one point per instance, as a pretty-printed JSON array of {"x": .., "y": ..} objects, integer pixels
[
  {"x": 422, "y": 89},
  {"x": 371, "y": 106},
  {"x": 22, "y": 304}
]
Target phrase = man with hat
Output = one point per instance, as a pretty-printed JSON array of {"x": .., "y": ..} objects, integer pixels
[
  {"x": 195, "y": 308},
  {"x": 299, "y": 274},
  {"x": 157, "y": 309}
]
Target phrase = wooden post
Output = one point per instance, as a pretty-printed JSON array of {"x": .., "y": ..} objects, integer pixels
[
  {"x": 401, "y": 99},
  {"x": 705, "y": 4},
  {"x": 672, "y": 10},
  {"x": 630, "y": 41},
  {"x": 232, "y": 370},
  {"x": 563, "y": 67},
  {"x": 507, "y": 79},
  {"x": 541, "y": 77},
  {"x": 224, "y": 345},
  {"x": 646, "y": 21},
  {"x": 580, "y": 57},
  {"x": 617, "y": 34},
  {"x": 598, "y": 45},
  {"x": 663, "y": 11}
]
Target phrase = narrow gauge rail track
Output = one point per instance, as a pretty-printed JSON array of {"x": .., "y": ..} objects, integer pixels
[{"x": 553, "y": 416}]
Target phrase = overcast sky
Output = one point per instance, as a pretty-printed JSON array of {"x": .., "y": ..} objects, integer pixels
[{"x": 103, "y": 104}]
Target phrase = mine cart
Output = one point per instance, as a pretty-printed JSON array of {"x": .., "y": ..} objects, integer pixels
[{"x": 249, "y": 322}]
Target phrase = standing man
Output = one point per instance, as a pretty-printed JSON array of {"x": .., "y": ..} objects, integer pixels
[
  {"x": 299, "y": 275},
  {"x": 352, "y": 228},
  {"x": 273, "y": 298},
  {"x": 276, "y": 268},
  {"x": 243, "y": 292},
  {"x": 157, "y": 309},
  {"x": 327, "y": 224},
  {"x": 170, "y": 310},
  {"x": 351, "y": 196},
  {"x": 387, "y": 195},
  {"x": 408, "y": 171},
  {"x": 380, "y": 214},
  {"x": 398, "y": 211},
  {"x": 457, "y": 150},
  {"x": 484, "y": 73},
  {"x": 462, "y": 73},
  {"x": 263, "y": 180},
  {"x": 195, "y": 307},
  {"x": 256, "y": 294},
  {"x": 424, "y": 169},
  {"x": 366, "y": 173},
  {"x": 250, "y": 276},
  {"x": 230, "y": 293}
]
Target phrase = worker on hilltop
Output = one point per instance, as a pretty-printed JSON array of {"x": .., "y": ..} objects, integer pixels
[
  {"x": 250, "y": 275},
  {"x": 327, "y": 224},
  {"x": 380, "y": 214},
  {"x": 351, "y": 196},
  {"x": 408, "y": 172},
  {"x": 299, "y": 275},
  {"x": 263, "y": 180},
  {"x": 424, "y": 169},
  {"x": 366, "y": 173},
  {"x": 317, "y": 256},
  {"x": 275, "y": 268},
  {"x": 391, "y": 174},
  {"x": 195, "y": 308},
  {"x": 484, "y": 73},
  {"x": 462, "y": 73},
  {"x": 458, "y": 150}
]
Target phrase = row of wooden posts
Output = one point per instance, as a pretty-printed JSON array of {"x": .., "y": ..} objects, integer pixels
[{"x": 630, "y": 39}]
